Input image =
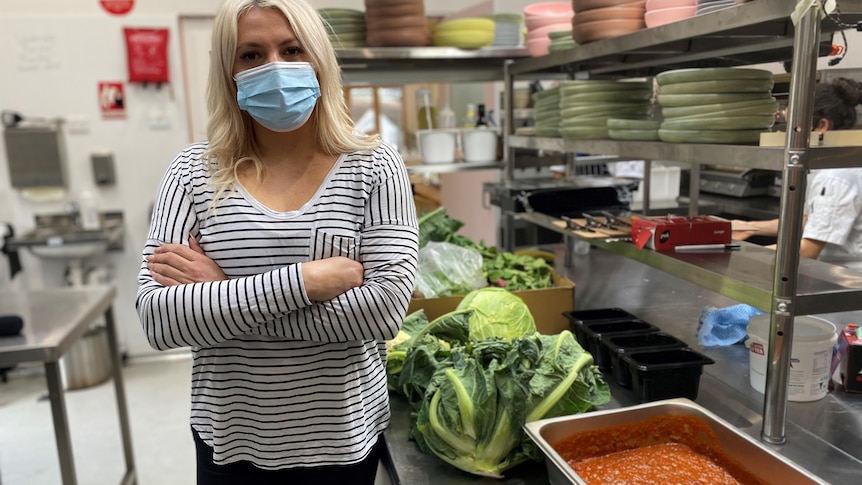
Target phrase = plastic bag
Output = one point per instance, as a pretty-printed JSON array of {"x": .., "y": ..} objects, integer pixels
[{"x": 446, "y": 269}]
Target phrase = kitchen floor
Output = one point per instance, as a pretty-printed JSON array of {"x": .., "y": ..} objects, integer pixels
[{"x": 157, "y": 391}]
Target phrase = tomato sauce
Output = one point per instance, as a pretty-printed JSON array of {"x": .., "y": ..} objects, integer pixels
[
  {"x": 670, "y": 463},
  {"x": 666, "y": 450}
]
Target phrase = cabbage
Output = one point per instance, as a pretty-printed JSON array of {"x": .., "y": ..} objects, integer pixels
[
  {"x": 497, "y": 313},
  {"x": 477, "y": 400}
]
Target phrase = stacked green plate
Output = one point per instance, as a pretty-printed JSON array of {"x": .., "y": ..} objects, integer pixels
[
  {"x": 715, "y": 105},
  {"x": 586, "y": 106},
  {"x": 639, "y": 130},
  {"x": 561, "y": 40},
  {"x": 546, "y": 112},
  {"x": 346, "y": 27}
]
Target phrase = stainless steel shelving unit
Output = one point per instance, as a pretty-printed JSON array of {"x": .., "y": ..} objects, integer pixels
[
  {"x": 402, "y": 65},
  {"x": 752, "y": 33}
]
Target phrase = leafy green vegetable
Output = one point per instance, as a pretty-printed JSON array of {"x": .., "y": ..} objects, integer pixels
[
  {"x": 437, "y": 226},
  {"x": 497, "y": 313},
  {"x": 479, "y": 397},
  {"x": 500, "y": 268}
]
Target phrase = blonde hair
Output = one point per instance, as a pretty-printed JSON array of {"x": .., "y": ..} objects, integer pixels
[{"x": 229, "y": 132}]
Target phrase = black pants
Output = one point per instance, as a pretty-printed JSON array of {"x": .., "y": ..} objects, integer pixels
[{"x": 245, "y": 473}]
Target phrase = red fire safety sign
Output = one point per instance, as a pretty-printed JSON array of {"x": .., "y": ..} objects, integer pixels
[
  {"x": 112, "y": 102},
  {"x": 117, "y": 7}
]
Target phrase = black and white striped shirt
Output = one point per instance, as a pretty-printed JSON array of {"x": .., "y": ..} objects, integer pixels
[{"x": 278, "y": 380}]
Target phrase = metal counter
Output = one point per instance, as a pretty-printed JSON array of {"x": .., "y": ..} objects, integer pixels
[
  {"x": 53, "y": 321},
  {"x": 824, "y": 437}
]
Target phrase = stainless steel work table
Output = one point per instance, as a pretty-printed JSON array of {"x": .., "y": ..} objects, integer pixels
[
  {"x": 824, "y": 437},
  {"x": 53, "y": 321}
]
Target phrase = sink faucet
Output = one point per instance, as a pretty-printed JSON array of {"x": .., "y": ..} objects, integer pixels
[{"x": 74, "y": 210}]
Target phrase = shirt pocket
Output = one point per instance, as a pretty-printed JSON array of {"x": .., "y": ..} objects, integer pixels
[{"x": 326, "y": 243}]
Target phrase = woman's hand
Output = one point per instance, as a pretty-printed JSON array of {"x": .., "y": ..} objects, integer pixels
[
  {"x": 175, "y": 264},
  {"x": 324, "y": 279}
]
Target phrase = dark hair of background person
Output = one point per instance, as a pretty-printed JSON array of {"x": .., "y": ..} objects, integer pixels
[{"x": 836, "y": 102}]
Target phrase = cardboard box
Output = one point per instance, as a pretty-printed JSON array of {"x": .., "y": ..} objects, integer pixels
[
  {"x": 668, "y": 232},
  {"x": 547, "y": 305}
]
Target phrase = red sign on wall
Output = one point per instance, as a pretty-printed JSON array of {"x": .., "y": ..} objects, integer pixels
[
  {"x": 112, "y": 100},
  {"x": 147, "y": 52},
  {"x": 117, "y": 7}
]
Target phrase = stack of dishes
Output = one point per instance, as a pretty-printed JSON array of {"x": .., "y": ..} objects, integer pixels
[
  {"x": 507, "y": 29},
  {"x": 586, "y": 106},
  {"x": 707, "y": 6},
  {"x": 715, "y": 105},
  {"x": 661, "y": 12},
  {"x": 396, "y": 23},
  {"x": 546, "y": 112},
  {"x": 604, "y": 19},
  {"x": 561, "y": 40},
  {"x": 346, "y": 27},
  {"x": 543, "y": 18},
  {"x": 466, "y": 33},
  {"x": 640, "y": 130}
]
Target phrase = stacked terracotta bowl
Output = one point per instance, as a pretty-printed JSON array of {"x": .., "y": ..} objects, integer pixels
[
  {"x": 396, "y": 23},
  {"x": 543, "y": 18},
  {"x": 715, "y": 105},
  {"x": 346, "y": 27},
  {"x": 662, "y": 12},
  {"x": 603, "y": 19}
]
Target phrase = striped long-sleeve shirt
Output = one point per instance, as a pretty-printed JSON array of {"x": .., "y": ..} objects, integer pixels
[{"x": 279, "y": 380}]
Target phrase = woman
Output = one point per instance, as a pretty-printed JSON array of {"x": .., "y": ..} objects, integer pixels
[
  {"x": 833, "y": 207},
  {"x": 283, "y": 252}
]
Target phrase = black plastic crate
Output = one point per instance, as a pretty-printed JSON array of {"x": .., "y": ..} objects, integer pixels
[
  {"x": 596, "y": 331},
  {"x": 595, "y": 315},
  {"x": 665, "y": 374},
  {"x": 621, "y": 344}
]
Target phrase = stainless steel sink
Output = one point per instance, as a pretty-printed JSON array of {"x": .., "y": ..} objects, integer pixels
[{"x": 55, "y": 237}]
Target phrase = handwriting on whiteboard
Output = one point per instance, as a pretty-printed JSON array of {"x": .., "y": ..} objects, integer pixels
[{"x": 38, "y": 52}]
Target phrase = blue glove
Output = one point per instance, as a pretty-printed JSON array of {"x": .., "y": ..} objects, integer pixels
[{"x": 724, "y": 326}]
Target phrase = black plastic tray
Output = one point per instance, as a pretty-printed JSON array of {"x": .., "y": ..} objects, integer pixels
[
  {"x": 665, "y": 374},
  {"x": 595, "y": 315},
  {"x": 622, "y": 344},
  {"x": 595, "y": 332}
]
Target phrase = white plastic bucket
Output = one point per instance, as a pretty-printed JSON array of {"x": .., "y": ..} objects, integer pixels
[
  {"x": 437, "y": 146},
  {"x": 810, "y": 356},
  {"x": 479, "y": 145}
]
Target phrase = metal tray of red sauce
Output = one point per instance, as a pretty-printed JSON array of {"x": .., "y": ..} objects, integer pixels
[{"x": 648, "y": 428}]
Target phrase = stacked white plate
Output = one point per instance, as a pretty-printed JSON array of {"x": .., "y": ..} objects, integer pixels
[
  {"x": 707, "y": 6},
  {"x": 546, "y": 112},
  {"x": 508, "y": 29},
  {"x": 346, "y": 27},
  {"x": 586, "y": 106},
  {"x": 715, "y": 105}
]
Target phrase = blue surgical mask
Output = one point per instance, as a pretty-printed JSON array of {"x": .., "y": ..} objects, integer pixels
[{"x": 279, "y": 95}]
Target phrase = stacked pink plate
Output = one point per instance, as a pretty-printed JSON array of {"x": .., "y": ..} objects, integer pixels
[{"x": 542, "y": 18}]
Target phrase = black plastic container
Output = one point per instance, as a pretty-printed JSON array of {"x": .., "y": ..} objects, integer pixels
[
  {"x": 665, "y": 374},
  {"x": 623, "y": 344},
  {"x": 578, "y": 318},
  {"x": 595, "y": 332}
]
